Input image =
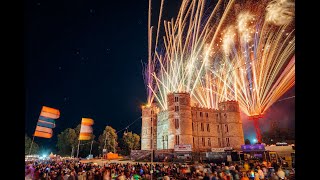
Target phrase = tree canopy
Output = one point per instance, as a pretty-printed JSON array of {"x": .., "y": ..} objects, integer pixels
[
  {"x": 108, "y": 140},
  {"x": 27, "y": 144},
  {"x": 130, "y": 141},
  {"x": 68, "y": 143},
  {"x": 67, "y": 140}
]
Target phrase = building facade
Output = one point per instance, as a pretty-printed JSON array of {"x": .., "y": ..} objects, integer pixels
[{"x": 182, "y": 123}]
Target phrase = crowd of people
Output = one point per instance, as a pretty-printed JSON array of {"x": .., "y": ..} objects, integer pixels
[{"x": 72, "y": 169}]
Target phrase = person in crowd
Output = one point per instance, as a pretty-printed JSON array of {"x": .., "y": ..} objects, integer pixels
[{"x": 72, "y": 169}]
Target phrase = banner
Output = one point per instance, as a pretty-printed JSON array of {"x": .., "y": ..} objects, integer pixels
[
  {"x": 46, "y": 122},
  {"x": 183, "y": 147},
  {"x": 217, "y": 149},
  {"x": 86, "y": 129},
  {"x": 254, "y": 147}
]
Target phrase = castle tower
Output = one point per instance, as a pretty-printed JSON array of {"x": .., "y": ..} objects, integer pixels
[
  {"x": 232, "y": 132},
  {"x": 149, "y": 115},
  {"x": 180, "y": 121}
]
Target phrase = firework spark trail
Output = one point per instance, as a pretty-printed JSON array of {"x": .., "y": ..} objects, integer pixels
[
  {"x": 280, "y": 12},
  {"x": 270, "y": 72},
  {"x": 237, "y": 55}
]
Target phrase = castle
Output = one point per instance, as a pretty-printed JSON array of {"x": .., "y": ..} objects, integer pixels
[{"x": 182, "y": 123}]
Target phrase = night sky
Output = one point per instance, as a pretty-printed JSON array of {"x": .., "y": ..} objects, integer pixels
[{"x": 85, "y": 59}]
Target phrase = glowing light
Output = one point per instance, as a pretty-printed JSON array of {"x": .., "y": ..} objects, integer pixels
[
  {"x": 228, "y": 39},
  {"x": 239, "y": 68},
  {"x": 280, "y": 12}
]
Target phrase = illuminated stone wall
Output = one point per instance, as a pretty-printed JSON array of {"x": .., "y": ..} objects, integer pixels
[
  {"x": 201, "y": 127},
  {"x": 149, "y": 115},
  {"x": 232, "y": 132}
]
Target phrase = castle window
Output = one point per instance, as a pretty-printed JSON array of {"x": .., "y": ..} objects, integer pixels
[
  {"x": 163, "y": 142},
  {"x": 227, "y": 129},
  {"x": 207, "y": 115},
  {"x": 176, "y": 108},
  {"x": 177, "y": 139},
  {"x": 200, "y": 114},
  {"x": 203, "y": 142},
  {"x": 225, "y": 115},
  {"x": 192, "y": 127},
  {"x": 219, "y": 142},
  {"x": 176, "y": 123},
  {"x": 217, "y": 115},
  {"x": 208, "y": 127},
  {"x": 176, "y": 99},
  {"x": 202, "y": 129},
  {"x": 209, "y": 142},
  {"x": 193, "y": 141},
  {"x": 228, "y": 142},
  {"x": 218, "y": 128}
]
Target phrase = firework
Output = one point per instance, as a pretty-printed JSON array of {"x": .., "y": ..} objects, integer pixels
[
  {"x": 242, "y": 52},
  {"x": 280, "y": 12}
]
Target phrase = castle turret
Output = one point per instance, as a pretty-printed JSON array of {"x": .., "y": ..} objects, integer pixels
[
  {"x": 232, "y": 131},
  {"x": 180, "y": 121},
  {"x": 149, "y": 116}
]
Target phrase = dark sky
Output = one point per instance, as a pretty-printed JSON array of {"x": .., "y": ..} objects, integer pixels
[{"x": 84, "y": 58}]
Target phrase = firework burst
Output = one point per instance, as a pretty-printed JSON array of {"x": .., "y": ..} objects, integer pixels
[{"x": 236, "y": 51}]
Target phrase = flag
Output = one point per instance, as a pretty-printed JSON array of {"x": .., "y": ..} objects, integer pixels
[
  {"x": 46, "y": 122},
  {"x": 86, "y": 129}
]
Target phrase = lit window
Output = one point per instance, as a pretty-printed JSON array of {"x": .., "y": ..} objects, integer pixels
[
  {"x": 228, "y": 142},
  {"x": 177, "y": 123},
  {"x": 176, "y": 108},
  {"x": 177, "y": 139}
]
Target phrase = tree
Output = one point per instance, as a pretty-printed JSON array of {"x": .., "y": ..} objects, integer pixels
[
  {"x": 67, "y": 140},
  {"x": 108, "y": 139},
  {"x": 27, "y": 144},
  {"x": 247, "y": 142},
  {"x": 130, "y": 141}
]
